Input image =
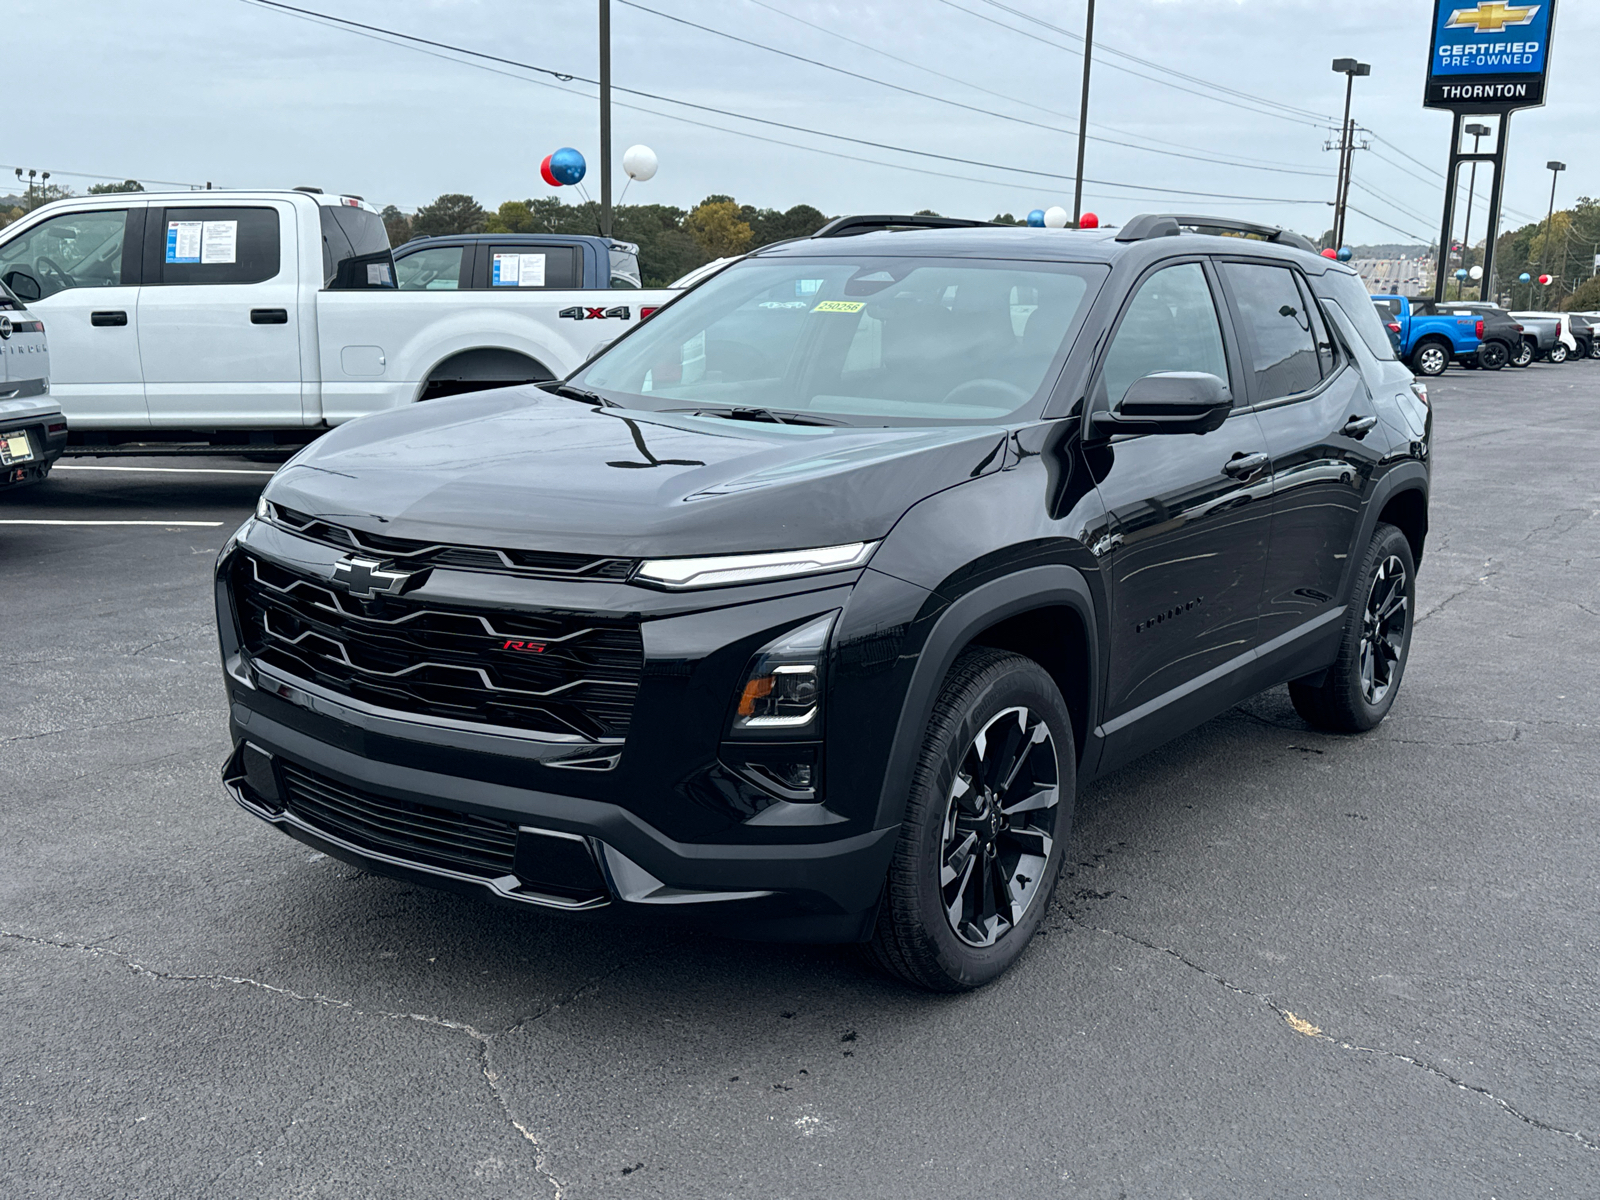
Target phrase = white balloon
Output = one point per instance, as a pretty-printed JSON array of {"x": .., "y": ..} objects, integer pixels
[
  {"x": 1055, "y": 217},
  {"x": 639, "y": 162},
  {"x": 1476, "y": 272}
]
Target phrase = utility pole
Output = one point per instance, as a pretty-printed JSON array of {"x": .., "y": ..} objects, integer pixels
[
  {"x": 1555, "y": 169},
  {"x": 1083, "y": 113},
  {"x": 1349, "y": 68},
  {"x": 605, "y": 118},
  {"x": 1477, "y": 131}
]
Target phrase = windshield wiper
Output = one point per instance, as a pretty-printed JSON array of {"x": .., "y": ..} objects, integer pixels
[
  {"x": 770, "y": 416},
  {"x": 578, "y": 393}
]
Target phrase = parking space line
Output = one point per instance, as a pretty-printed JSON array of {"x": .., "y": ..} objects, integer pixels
[
  {"x": 168, "y": 470},
  {"x": 204, "y": 524}
]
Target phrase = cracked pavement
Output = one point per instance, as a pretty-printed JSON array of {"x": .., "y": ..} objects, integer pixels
[{"x": 1284, "y": 963}]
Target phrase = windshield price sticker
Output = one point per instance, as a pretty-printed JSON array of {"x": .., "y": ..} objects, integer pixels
[
  {"x": 519, "y": 270},
  {"x": 842, "y": 306}
]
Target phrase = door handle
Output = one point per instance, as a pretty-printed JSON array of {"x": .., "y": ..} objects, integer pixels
[
  {"x": 1242, "y": 466},
  {"x": 1356, "y": 427},
  {"x": 269, "y": 316},
  {"x": 107, "y": 319}
]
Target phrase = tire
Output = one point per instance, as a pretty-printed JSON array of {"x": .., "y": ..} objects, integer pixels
[
  {"x": 1430, "y": 359},
  {"x": 1358, "y": 690},
  {"x": 1523, "y": 355},
  {"x": 1594, "y": 348},
  {"x": 1493, "y": 355},
  {"x": 1557, "y": 353},
  {"x": 940, "y": 927}
]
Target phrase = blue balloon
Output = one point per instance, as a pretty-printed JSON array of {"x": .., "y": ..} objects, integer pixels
[
  {"x": 567, "y": 165},
  {"x": 1524, "y": 278},
  {"x": 1036, "y": 218},
  {"x": 1461, "y": 273},
  {"x": 1346, "y": 254}
]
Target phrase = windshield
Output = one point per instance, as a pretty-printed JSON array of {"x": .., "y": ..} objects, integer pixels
[{"x": 868, "y": 341}]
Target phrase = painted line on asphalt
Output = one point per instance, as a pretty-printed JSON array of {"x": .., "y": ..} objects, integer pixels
[
  {"x": 204, "y": 524},
  {"x": 168, "y": 470}
]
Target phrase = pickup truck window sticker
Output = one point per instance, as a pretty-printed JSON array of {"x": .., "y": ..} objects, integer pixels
[
  {"x": 183, "y": 241},
  {"x": 518, "y": 270},
  {"x": 219, "y": 242}
]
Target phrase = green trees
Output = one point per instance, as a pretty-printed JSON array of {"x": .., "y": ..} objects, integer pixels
[
  {"x": 127, "y": 185},
  {"x": 453, "y": 212}
]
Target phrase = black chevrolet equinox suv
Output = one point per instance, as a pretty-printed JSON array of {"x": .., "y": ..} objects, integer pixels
[{"x": 804, "y": 609}]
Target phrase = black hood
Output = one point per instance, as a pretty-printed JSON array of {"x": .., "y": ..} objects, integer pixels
[{"x": 522, "y": 469}]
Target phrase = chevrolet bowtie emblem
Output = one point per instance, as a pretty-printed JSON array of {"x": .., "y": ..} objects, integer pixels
[
  {"x": 366, "y": 578},
  {"x": 1492, "y": 16}
]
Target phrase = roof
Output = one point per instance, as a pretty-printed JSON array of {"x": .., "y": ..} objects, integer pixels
[{"x": 1026, "y": 242}]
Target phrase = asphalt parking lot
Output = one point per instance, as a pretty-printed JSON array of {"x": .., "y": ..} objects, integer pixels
[{"x": 1285, "y": 964}]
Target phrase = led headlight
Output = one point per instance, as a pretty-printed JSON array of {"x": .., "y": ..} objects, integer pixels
[
  {"x": 751, "y": 568},
  {"x": 782, "y": 689},
  {"x": 263, "y": 509}
]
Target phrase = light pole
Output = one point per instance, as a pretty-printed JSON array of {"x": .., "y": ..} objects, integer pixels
[
  {"x": 1349, "y": 68},
  {"x": 605, "y": 118},
  {"x": 1477, "y": 132},
  {"x": 1083, "y": 113},
  {"x": 1555, "y": 169}
]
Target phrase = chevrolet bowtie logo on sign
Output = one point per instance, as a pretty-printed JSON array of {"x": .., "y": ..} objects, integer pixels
[
  {"x": 1492, "y": 16},
  {"x": 1489, "y": 56}
]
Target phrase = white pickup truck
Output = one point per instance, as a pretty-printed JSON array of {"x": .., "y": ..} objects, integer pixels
[{"x": 198, "y": 321}]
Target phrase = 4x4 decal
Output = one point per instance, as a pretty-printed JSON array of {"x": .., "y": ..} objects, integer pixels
[{"x": 583, "y": 313}]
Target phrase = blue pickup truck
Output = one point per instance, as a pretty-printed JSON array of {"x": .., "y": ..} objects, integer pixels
[{"x": 1427, "y": 338}]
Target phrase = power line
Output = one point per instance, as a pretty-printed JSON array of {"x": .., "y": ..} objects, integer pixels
[
  {"x": 1105, "y": 49},
  {"x": 1415, "y": 236},
  {"x": 955, "y": 103},
  {"x": 1137, "y": 74},
  {"x": 109, "y": 178},
  {"x": 381, "y": 33}
]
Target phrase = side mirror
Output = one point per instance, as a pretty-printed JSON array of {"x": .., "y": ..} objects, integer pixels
[
  {"x": 27, "y": 288},
  {"x": 1168, "y": 402}
]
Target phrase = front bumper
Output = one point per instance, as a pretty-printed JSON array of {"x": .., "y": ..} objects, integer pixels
[{"x": 556, "y": 852}]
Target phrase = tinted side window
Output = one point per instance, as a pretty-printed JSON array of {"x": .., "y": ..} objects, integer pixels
[
  {"x": 355, "y": 249},
  {"x": 1326, "y": 358},
  {"x": 437, "y": 268},
  {"x": 216, "y": 245},
  {"x": 74, "y": 250},
  {"x": 1350, "y": 294},
  {"x": 1278, "y": 343},
  {"x": 1387, "y": 308},
  {"x": 533, "y": 266},
  {"x": 1170, "y": 325}
]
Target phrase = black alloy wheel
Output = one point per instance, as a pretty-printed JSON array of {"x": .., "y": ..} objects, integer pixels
[
  {"x": 1557, "y": 353},
  {"x": 1357, "y": 691},
  {"x": 985, "y": 826},
  {"x": 1493, "y": 355},
  {"x": 1430, "y": 358},
  {"x": 1523, "y": 355}
]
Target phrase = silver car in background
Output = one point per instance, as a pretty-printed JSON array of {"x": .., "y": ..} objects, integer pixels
[{"x": 33, "y": 433}]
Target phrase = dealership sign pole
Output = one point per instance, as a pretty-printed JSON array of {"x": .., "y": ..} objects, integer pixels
[{"x": 1486, "y": 57}]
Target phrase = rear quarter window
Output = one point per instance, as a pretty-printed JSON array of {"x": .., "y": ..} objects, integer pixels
[
  {"x": 1347, "y": 291},
  {"x": 355, "y": 249}
]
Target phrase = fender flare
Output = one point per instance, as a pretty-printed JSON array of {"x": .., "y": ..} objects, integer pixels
[
  {"x": 1046, "y": 586},
  {"x": 1407, "y": 476}
]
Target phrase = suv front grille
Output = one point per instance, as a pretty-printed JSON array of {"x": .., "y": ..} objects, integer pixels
[
  {"x": 547, "y": 672},
  {"x": 420, "y": 833},
  {"x": 539, "y": 564}
]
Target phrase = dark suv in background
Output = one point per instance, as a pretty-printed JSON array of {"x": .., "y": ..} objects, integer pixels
[{"x": 804, "y": 610}]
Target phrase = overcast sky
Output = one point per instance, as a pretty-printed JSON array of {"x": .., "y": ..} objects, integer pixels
[{"x": 228, "y": 91}]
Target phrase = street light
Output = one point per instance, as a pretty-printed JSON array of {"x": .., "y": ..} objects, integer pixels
[
  {"x": 1555, "y": 169},
  {"x": 1477, "y": 132},
  {"x": 1349, "y": 68}
]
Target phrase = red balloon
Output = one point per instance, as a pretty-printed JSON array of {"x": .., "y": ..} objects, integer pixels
[
  {"x": 1544, "y": 279},
  {"x": 1330, "y": 252},
  {"x": 1088, "y": 221},
  {"x": 544, "y": 170}
]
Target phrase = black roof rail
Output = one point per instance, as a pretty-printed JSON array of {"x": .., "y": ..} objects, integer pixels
[
  {"x": 850, "y": 226},
  {"x": 1168, "y": 224}
]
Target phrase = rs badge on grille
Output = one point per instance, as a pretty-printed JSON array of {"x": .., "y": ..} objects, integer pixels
[{"x": 366, "y": 577}]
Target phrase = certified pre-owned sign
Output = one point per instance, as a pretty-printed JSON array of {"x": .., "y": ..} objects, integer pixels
[{"x": 1489, "y": 55}]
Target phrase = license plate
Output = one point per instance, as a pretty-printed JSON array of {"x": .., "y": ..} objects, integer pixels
[{"x": 15, "y": 448}]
